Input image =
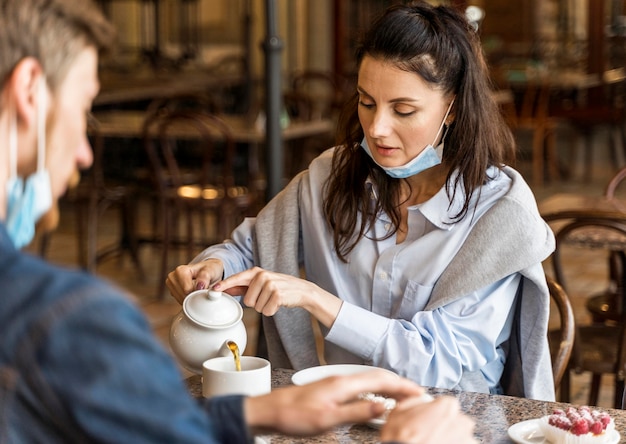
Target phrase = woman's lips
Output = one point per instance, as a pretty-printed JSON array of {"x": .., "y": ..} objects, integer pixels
[{"x": 385, "y": 150}]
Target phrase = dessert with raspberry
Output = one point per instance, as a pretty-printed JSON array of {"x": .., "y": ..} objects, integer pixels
[{"x": 578, "y": 426}]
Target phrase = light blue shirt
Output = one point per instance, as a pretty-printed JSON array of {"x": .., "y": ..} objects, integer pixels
[{"x": 385, "y": 287}]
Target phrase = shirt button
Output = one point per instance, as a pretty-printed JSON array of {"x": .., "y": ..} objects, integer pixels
[
  {"x": 387, "y": 227},
  {"x": 382, "y": 275}
]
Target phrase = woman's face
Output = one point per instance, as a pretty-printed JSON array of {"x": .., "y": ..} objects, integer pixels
[{"x": 399, "y": 112}]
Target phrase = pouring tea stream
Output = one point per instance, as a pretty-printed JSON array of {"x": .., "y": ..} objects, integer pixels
[{"x": 208, "y": 321}]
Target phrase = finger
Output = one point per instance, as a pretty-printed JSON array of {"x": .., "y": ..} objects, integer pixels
[
  {"x": 237, "y": 280},
  {"x": 179, "y": 282},
  {"x": 174, "y": 289},
  {"x": 236, "y": 291},
  {"x": 259, "y": 295},
  {"x": 269, "y": 302},
  {"x": 202, "y": 277},
  {"x": 374, "y": 381},
  {"x": 357, "y": 411}
]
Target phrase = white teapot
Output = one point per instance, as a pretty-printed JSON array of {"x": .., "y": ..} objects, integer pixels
[{"x": 208, "y": 321}]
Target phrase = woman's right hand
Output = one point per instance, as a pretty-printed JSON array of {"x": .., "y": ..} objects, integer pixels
[{"x": 199, "y": 276}]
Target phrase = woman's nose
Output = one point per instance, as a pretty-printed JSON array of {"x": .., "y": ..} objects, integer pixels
[{"x": 380, "y": 126}]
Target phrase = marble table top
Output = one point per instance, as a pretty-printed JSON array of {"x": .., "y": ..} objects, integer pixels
[{"x": 494, "y": 414}]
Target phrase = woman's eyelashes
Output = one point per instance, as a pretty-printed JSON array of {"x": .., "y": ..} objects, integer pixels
[{"x": 397, "y": 111}]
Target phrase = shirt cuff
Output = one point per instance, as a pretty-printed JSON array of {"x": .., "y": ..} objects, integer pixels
[{"x": 359, "y": 341}]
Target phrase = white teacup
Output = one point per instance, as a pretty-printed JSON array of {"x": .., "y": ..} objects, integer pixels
[{"x": 220, "y": 377}]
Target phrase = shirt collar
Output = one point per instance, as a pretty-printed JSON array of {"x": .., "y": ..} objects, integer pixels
[{"x": 439, "y": 210}]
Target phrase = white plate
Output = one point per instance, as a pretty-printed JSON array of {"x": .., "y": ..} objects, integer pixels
[
  {"x": 529, "y": 432},
  {"x": 313, "y": 374}
]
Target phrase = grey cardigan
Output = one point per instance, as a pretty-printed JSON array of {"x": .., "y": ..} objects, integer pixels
[{"x": 523, "y": 241}]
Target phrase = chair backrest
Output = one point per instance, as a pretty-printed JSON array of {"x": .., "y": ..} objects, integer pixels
[
  {"x": 614, "y": 183},
  {"x": 567, "y": 328},
  {"x": 591, "y": 229},
  {"x": 202, "y": 138},
  {"x": 315, "y": 95}
]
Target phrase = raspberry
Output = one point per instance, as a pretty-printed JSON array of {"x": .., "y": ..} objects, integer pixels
[
  {"x": 562, "y": 422},
  {"x": 580, "y": 421},
  {"x": 605, "y": 419},
  {"x": 580, "y": 427},
  {"x": 596, "y": 428},
  {"x": 572, "y": 414}
]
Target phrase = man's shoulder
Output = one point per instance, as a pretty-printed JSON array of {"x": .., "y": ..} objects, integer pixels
[{"x": 32, "y": 286}]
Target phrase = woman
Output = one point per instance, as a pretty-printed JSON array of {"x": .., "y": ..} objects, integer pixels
[{"x": 417, "y": 241}]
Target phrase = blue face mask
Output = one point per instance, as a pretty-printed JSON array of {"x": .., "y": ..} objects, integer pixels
[
  {"x": 28, "y": 200},
  {"x": 428, "y": 158}
]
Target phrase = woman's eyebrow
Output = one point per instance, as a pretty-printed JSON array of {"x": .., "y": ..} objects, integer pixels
[{"x": 360, "y": 90}]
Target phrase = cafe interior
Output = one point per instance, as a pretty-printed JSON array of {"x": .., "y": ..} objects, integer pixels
[{"x": 275, "y": 74}]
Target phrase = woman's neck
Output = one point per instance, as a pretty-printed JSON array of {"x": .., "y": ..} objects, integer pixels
[{"x": 424, "y": 185}]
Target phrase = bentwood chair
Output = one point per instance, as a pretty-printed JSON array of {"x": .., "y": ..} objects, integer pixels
[
  {"x": 532, "y": 115},
  {"x": 192, "y": 157},
  {"x": 313, "y": 95},
  {"x": 599, "y": 347},
  {"x": 91, "y": 198},
  {"x": 561, "y": 339},
  {"x": 605, "y": 107}
]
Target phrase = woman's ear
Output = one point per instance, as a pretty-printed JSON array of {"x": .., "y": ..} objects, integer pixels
[{"x": 23, "y": 86}]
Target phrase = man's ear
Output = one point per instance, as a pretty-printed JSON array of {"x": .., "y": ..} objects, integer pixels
[{"x": 24, "y": 82}]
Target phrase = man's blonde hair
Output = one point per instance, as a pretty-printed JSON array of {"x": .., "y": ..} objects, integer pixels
[{"x": 51, "y": 31}]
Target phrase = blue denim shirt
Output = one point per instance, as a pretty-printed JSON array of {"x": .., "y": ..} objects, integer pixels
[{"x": 79, "y": 363}]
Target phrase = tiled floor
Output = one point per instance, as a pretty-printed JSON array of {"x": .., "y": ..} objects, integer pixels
[{"x": 586, "y": 271}]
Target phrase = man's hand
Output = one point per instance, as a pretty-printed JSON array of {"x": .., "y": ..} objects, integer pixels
[
  {"x": 314, "y": 408},
  {"x": 438, "y": 422}
]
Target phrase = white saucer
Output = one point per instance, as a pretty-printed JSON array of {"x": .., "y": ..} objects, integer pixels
[
  {"x": 529, "y": 432},
  {"x": 313, "y": 374}
]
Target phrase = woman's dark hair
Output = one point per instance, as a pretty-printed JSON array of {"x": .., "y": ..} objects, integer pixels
[{"x": 438, "y": 44}]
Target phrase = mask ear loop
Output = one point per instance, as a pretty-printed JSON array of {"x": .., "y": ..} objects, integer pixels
[
  {"x": 443, "y": 122},
  {"x": 12, "y": 142},
  {"x": 41, "y": 126}
]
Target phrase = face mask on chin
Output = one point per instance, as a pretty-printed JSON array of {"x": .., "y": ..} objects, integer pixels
[
  {"x": 427, "y": 158},
  {"x": 28, "y": 199}
]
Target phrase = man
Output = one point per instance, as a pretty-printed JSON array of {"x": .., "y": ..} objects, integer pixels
[{"x": 78, "y": 362}]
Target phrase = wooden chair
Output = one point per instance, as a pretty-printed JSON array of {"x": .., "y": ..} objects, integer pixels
[
  {"x": 313, "y": 95},
  {"x": 192, "y": 157},
  {"x": 605, "y": 107},
  {"x": 599, "y": 348},
  {"x": 605, "y": 306},
  {"x": 533, "y": 115},
  {"x": 316, "y": 95},
  {"x": 91, "y": 198},
  {"x": 561, "y": 340}
]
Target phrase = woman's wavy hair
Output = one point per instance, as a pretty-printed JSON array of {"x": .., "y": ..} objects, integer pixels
[{"x": 438, "y": 44}]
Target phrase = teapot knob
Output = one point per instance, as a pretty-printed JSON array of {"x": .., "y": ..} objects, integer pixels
[{"x": 214, "y": 295}]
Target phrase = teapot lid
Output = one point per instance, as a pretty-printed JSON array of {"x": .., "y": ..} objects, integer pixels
[{"x": 212, "y": 308}]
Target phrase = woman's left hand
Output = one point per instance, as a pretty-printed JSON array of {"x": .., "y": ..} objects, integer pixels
[{"x": 267, "y": 291}]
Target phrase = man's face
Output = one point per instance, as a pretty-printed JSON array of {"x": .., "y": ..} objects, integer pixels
[{"x": 67, "y": 146}]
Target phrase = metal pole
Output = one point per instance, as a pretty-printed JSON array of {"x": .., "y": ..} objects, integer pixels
[{"x": 273, "y": 46}]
